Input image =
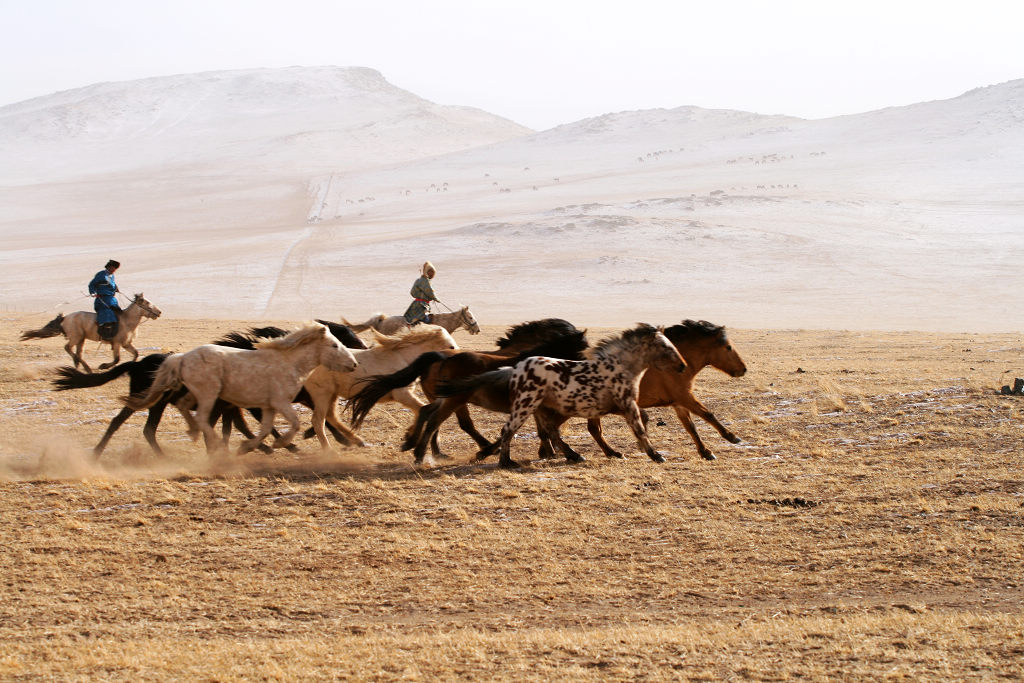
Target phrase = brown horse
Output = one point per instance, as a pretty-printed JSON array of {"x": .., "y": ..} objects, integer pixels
[
  {"x": 700, "y": 344},
  {"x": 80, "y": 326},
  {"x": 430, "y": 368}
]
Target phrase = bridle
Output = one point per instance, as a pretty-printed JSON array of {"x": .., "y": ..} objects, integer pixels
[{"x": 138, "y": 301}]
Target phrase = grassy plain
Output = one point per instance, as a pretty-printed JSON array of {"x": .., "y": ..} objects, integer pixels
[{"x": 869, "y": 526}]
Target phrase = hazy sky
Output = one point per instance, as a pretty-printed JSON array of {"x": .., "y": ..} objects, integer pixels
[{"x": 540, "y": 63}]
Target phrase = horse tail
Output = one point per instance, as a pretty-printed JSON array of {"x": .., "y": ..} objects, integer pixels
[
  {"x": 51, "y": 329},
  {"x": 72, "y": 378},
  {"x": 499, "y": 379},
  {"x": 344, "y": 333},
  {"x": 167, "y": 377},
  {"x": 141, "y": 372},
  {"x": 358, "y": 327},
  {"x": 377, "y": 387}
]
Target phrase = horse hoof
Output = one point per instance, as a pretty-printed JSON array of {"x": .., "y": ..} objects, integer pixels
[
  {"x": 264, "y": 448},
  {"x": 509, "y": 465},
  {"x": 732, "y": 438},
  {"x": 657, "y": 457},
  {"x": 615, "y": 454},
  {"x": 708, "y": 456},
  {"x": 292, "y": 448},
  {"x": 576, "y": 458}
]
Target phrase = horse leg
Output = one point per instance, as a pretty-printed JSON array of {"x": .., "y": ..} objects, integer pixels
[
  {"x": 156, "y": 412},
  {"x": 266, "y": 425},
  {"x": 522, "y": 407},
  {"x": 594, "y": 427},
  {"x": 636, "y": 423},
  {"x": 202, "y": 418},
  {"x": 128, "y": 346},
  {"x": 466, "y": 422},
  {"x": 114, "y": 425},
  {"x": 332, "y": 419},
  {"x": 437, "y": 412},
  {"x": 694, "y": 406},
  {"x": 549, "y": 426},
  {"x": 415, "y": 430},
  {"x": 691, "y": 429},
  {"x": 239, "y": 422},
  {"x": 76, "y": 355},
  {"x": 116, "y": 350},
  {"x": 289, "y": 414}
]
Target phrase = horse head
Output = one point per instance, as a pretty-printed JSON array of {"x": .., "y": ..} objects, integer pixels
[
  {"x": 469, "y": 321},
  {"x": 148, "y": 309},
  {"x": 704, "y": 344}
]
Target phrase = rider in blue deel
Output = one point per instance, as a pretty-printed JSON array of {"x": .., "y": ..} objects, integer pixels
[{"x": 104, "y": 287}]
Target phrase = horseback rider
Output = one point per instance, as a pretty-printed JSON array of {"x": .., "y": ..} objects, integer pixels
[
  {"x": 103, "y": 287},
  {"x": 422, "y": 294}
]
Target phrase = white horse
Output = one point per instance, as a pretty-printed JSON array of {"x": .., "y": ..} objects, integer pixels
[
  {"x": 81, "y": 326},
  {"x": 394, "y": 323},
  {"x": 391, "y": 353},
  {"x": 267, "y": 377}
]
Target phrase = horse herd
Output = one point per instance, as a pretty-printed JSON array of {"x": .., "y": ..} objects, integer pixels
[{"x": 544, "y": 368}]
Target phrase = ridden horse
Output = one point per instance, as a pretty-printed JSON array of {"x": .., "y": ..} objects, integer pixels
[
  {"x": 430, "y": 367},
  {"x": 140, "y": 379},
  {"x": 700, "y": 344},
  {"x": 391, "y": 324},
  {"x": 326, "y": 385},
  {"x": 80, "y": 326},
  {"x": 267, "y": 377},
  {"x": 608, "y": 382}
]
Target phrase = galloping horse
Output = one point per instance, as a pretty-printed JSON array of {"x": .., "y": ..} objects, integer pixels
[
  {"x": 140, "y": 379},
  {"x": 394, "y": 323},
  {"x": 606, "y": 383},
  {"x": 700, "y": 344},
  {"x": 267, "y": 377},
  {"x": 430, "y": 367},
  {"x": 81, "y": 326},
  {"x": 326, "y": 385}
]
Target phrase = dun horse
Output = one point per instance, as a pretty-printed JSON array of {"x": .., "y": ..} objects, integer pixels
[
  {"x": 606, "y": 383},
  {"x": 267, "y": 377},
  {"x": 80, "y": 326},
  {"x": 394, "y": 323},
  {"x": 326, "y": 385}
]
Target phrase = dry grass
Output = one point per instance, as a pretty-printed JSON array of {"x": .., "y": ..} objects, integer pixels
[{"x": 869, "y": 526}]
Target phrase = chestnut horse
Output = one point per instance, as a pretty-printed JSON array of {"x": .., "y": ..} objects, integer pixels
[
  {"x": 700, "y": 344},
  {"x": 80, "y": 326}
]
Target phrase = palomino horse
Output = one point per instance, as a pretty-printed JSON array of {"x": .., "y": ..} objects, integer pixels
[
  {"x": 267, "y": 377},
  {"x": 700, "y": 344},
  {"x": 430, "y": 367},
  {"x": 606, "y": 383},
  {"x": 140, "y": 379},
  {"x": 391, "y": 324},
  {"x": 325, "y": 386},
  {"x": 81, "y": 326}
]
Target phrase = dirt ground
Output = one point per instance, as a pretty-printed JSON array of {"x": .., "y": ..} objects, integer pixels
[{"x": 869, "y": 526}]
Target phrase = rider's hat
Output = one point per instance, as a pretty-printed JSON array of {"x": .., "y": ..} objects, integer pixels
[
  {"x": 428, "y": 269},
  {"x": 112, "y": 262}
]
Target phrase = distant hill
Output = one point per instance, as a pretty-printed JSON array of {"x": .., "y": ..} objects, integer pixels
[
  {"x": 318, "y": 192},
  {"x": 305, "y": 119}
]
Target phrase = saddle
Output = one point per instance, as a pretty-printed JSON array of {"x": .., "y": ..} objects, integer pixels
[{"x": 107, "y": 331}]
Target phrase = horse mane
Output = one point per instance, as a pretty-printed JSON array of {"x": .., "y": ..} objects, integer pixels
[
  {"x": 414, "y": 335},
  {"x": 535, "y": 327},
  {"x": 628, "y": 339},
  {"x": 306, "y": 335},
  {"x": 248, "y": 340},
  {"x": 694, "y": 328}
]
